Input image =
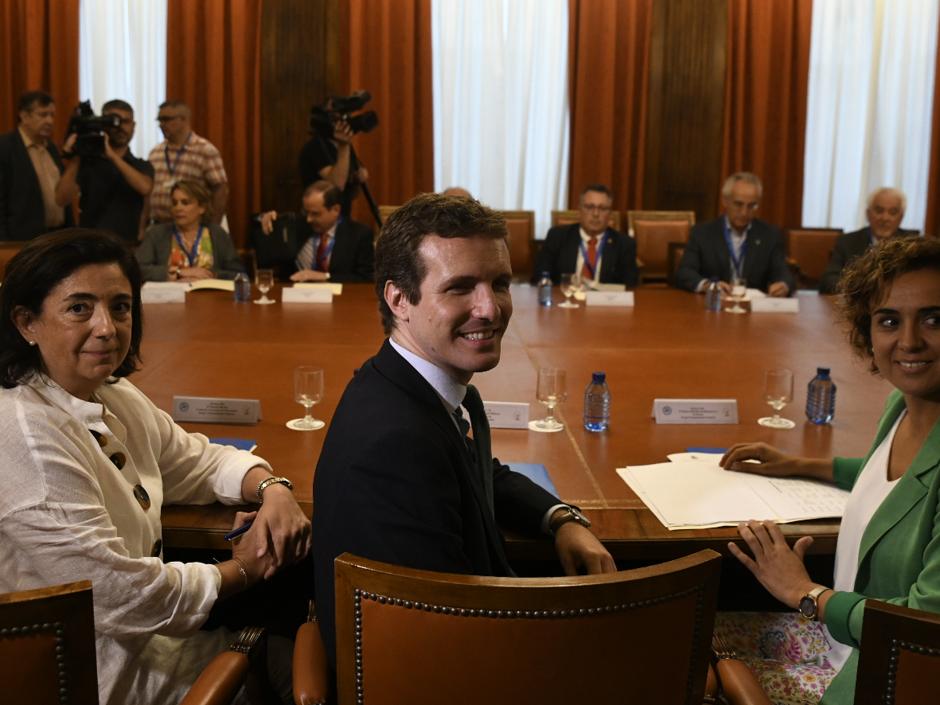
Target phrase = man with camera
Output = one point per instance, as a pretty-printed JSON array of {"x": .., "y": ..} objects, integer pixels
[
  {"x": 30, "y": 168},
  {"x": 329, "y": 154},
  {"x": 111, "y": 182}
]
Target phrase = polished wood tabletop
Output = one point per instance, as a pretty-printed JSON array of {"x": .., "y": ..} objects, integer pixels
[{"x": 665, "y": 346}]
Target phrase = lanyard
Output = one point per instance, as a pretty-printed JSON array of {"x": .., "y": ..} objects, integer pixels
[
  {"x": 737, "y": 263},
  {"x": 597, "y": 256},
  {"x": 194, "y": 253},
  {"x": 176, "y": 162}
]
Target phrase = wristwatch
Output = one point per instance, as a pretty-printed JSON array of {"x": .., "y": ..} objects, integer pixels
[
  {"x": 565, "y": 514},
  {"x": 267, "y": 482},
  {"x": 809, "y": 603}
]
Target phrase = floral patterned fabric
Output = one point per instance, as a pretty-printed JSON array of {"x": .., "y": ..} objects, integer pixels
[
  {"x": 180, "y": 259},
  {"x": 788, "y": 654}
]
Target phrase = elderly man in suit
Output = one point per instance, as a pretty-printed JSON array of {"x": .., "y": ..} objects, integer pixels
[
  {"x": 323, "y": 247},
  {"x": 590, "y": 247},
  {"x": 885, "y": 212},
  {"x": 399, "y": 479},
  {"x": 737, "y": 245},
  {"x": 30, "y": 168}
]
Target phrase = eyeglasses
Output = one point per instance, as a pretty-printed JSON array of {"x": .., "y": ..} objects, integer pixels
[
  {"x": 745, "y": 206},
  {"x": 595, "y": 209},
  {"x": 168, "y": 118}
]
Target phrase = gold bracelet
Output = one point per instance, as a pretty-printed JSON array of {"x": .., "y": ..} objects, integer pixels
[{"x": 241, "y": 569}]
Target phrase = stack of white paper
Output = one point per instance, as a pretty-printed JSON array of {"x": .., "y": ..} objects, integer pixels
[{"x": 694, "y": 492}]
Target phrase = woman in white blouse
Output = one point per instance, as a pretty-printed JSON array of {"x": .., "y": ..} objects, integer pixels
[
  {"x": 87, "y": 461},
  {"x": 888, "y": 547}
]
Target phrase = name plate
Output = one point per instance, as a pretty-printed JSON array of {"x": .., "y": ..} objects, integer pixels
[
  {"x": 609, "y": 298},
  {"x": 335, "y": 287},
  {"x": 507, "y": 414},
  {"x": 306, "y": 295},
  {"x": 695, "y": 411},
  {"x": 216, "y": 410},
  {"x": 769, "y": 304},
  {"x": 164, "y": 292}
]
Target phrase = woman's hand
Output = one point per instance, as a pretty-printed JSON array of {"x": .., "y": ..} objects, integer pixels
[
  {"x": 770, "y": 460},
  {"x": 284, "y": 530},
  {"x": 194, "y": 273},
  {"x": 779, "y": 568},
  {"x": 248, "y": 551}
]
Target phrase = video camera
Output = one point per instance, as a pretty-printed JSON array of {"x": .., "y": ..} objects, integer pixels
[
  {"x": 336, "y": 108},
  {"x": 90, "y": 129}
]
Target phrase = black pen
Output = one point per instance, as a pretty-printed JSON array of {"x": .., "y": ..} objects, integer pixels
[{"x": 235, "y": 533}]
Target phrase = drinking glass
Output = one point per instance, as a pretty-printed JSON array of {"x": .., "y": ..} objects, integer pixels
[
  {"x": 568, "y": 288},
  {"x": 264, "y": 280},
  {"x": 308, "y": 390},
  {"x": 738, "y": 292},
  {"x": 551, "y": 392},
  {"x": 778, "y": 392}
]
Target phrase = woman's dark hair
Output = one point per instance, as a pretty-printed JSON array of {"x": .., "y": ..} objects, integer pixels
[
  {"x": 36, "y": 270},
  {"x": 866, "y": 281}
]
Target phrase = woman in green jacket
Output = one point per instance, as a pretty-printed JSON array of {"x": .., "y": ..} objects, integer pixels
[{"x": 889, "y": 542}]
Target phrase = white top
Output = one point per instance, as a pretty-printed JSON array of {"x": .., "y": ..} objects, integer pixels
[
  {"x": 870, "y": 490},
  {"x": 68, "y": 513}
]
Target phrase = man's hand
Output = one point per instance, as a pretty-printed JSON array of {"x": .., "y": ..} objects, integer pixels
[
  {"x": 308, "y": 275},
  {"x": 580, "y": 552},
  {"x": 67, "y": 152},
  {"x": 342, "y": 132},
  {"x": 778, "y": 289},
  {"x": 108, "y": 151},
  {"x": 362, "y": 175},
  {"x": 283, "y": 527},
  {"x": 191, "y": 274},
  {"x": 267, "y": 222}
]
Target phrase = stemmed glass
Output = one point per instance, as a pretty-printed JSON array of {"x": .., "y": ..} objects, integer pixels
[
  {"x": 308, "y": 390},
  {"x": 264, "y": 280},
  {"x": 568, "y": 286},
  {"x": 551, "y": 392},
  {"x": 778, "y": 392},
  {"x": 738, "y": 292}
]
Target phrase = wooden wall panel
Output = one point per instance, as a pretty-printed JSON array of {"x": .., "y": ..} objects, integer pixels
[
  {"x": 299, "y": 67},
  {"x": 686, "y": 93}
]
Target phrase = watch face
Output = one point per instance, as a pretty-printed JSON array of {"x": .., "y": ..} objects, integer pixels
[{"x": 808, "y": 607}]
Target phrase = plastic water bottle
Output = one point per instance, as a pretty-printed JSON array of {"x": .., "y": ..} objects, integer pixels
[
  {"x": 242, "y": 287},
  {"x": 713, "y": 295},
  {"x": 597, "y": 403},
  {"x": 821, "y": 397},
  {"x": 545, "y": 290}
]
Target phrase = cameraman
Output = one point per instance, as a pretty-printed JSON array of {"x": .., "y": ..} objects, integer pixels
[
  {"x": 113, "y": 185},
  {"x": 332, "y": 159}
]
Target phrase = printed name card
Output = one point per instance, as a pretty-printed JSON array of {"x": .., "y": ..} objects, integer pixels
[
  {"x": 335, "y": 287},
  {"x": 164, "y": 292},
  {"x": 306, "y": 295},
  {"x": 610, "y": 298},
  {"x": 769, "y": 304},
  {"x": 695, "y": 411},
  {"x": 507, "y": 414},
  {"x": 216, "y": 410}
]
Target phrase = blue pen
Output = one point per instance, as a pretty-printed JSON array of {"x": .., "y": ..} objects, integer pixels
[{"x": 235, "y": 533}]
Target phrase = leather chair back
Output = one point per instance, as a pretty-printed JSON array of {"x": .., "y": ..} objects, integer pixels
[
  {"x": 574, "y": 216},
  {"x": 418, "y": 637},
  {"x": 809, "y": 249},
  {"x": 521, "y": 226},
  {"x": 653, "y": 231}
]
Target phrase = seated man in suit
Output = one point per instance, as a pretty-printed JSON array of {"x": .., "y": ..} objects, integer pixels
[
  {"x": 737, "y": 245},
  {"x": 598, "y": 252},
  {"x": 885, "y": 212},
  {"x": 399, "y": 480},
  {"x": 324, "y": 247}
]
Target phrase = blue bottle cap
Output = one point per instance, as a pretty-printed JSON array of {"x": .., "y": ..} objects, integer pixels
[
  {"x": 598, "y": 377},
  {"x": 824, "y": 371}
]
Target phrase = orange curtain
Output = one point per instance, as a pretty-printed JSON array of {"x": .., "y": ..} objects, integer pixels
[
  {"x": 214, "y": 65},
  {"x": 608, "y": 59},
  {"x": 933, "y": 181},
  {"x": 765, "y": 100},
  {"x": 38, "y": 51},
  {"x": 386, "y": 50}
]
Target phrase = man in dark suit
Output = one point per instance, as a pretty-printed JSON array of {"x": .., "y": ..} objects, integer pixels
[
  {"x": 737, "y": 245},
  {"x": 398, "y": 479},
  {"x": 30, "y": 168},
  {"x": 885, "y": 212},
  {"x": 326, "y": 247},
  {"x": 598, "y": 252}
]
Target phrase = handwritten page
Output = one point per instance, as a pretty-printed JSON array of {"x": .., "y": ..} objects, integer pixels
[{"x": 699, "y": 494}]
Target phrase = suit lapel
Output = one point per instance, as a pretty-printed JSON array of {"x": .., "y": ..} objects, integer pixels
[
  {"x": 572, "y": 243},
  {"x": 721, "y": 245},
  {"x": 340, "y": 247}
]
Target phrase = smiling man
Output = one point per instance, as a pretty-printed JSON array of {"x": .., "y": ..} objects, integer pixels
[{"x": 398, "y": 479}]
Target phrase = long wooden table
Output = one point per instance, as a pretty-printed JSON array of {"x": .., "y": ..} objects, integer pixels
[{"x": 667, "y": 346}]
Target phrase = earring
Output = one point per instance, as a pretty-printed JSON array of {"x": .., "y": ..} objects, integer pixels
[{"x": 32, "y": 343}]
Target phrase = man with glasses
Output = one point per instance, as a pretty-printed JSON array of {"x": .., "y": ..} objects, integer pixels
[
  {"x": 591, "y": 248},
  {"x": 30, "y": 168},
  {"x": 112, "y": 186},
  {"x": 737, "y": 245},
  {"x": 184, "y": 155}
]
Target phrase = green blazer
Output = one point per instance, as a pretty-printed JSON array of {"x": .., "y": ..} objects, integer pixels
[{"x": 899, "y": 555}]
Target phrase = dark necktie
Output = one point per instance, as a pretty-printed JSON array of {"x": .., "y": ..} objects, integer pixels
[
  {"x": 481, "y": 441},
  {"x": 322, "y": 253},
  {"x": 590, "y": 262}
]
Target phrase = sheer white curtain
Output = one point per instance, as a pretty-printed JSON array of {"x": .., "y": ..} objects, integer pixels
[
  {"x": 501, "y": 101},
  {"x": 869, "y": 107},
  {"x": 123, "y": 55}
]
